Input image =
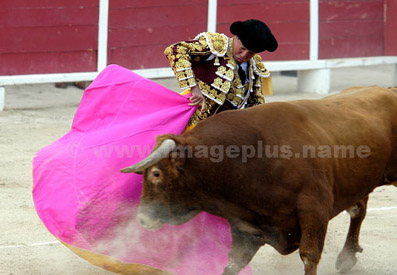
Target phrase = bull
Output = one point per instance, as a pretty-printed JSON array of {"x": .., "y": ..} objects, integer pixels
[{"x": 279, "y": 194}]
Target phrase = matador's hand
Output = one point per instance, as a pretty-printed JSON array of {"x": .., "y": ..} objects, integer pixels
[{"x": 197, "y": 98}]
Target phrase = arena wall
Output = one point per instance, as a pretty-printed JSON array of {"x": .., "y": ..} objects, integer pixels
[{"x": 61, "y": 36}]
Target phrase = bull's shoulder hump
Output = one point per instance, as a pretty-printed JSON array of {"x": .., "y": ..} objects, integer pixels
[
  {"x": 296, "y": 110},
  {"x": 365, "y": 92}
]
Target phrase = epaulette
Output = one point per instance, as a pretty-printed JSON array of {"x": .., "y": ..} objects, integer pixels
[
  {"x": 259, "y": 67},
  {"x": 217, "y": 42}
]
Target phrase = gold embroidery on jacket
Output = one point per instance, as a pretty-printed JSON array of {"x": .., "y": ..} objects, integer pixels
[
  {"x": 213, "y": 94},
  {"x": 218, "y": 43},
  {"x": 226, "y": 85}
]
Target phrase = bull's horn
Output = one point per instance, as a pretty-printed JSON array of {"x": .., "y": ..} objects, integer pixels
[{"x": 166, "y": 147}]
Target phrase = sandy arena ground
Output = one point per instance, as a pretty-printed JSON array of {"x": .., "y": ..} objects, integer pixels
[{"x": 36, "y": 115}]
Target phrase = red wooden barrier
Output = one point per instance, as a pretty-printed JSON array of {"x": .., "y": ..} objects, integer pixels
[
  {"x": 391, "y": 28},
  {"x": 50, "y": 36}
]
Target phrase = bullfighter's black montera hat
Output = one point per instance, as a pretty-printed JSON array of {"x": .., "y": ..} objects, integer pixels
[{"x": 255, "y": 35}]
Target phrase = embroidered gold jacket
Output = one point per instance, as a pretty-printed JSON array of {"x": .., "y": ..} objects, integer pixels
[{"x": 207, "y": 61}]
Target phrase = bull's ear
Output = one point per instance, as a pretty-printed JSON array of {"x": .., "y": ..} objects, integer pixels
[{"x": 177, "y": 164}]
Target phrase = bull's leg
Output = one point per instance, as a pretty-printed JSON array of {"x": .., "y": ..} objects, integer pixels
[
  {"x": 346, "y": 258},
  {"x": 313, "y": 219},
  {"x": 244, "y": 247}
]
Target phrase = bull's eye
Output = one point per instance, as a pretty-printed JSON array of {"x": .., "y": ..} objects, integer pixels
[{"x": 156, "y": 174}]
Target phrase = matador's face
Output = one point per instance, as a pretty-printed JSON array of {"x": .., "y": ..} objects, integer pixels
[{"x": 240, "y": 53}]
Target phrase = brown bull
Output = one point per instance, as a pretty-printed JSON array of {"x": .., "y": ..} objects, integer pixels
[{"x": 277, "y": 172}]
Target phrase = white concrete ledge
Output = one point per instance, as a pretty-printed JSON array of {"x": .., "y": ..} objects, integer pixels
[
  {"x": 314, "y": 76},
  {"x": 273, "y": 66},
  {"x": 2, "y": 97},
  {"x": 45, "y": 78},
  {"x": 296, "y": 65},
  {"x": 73, "y": 77}
]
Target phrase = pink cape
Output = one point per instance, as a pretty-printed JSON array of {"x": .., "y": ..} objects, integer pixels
[{"x": 85, "y": 201}]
